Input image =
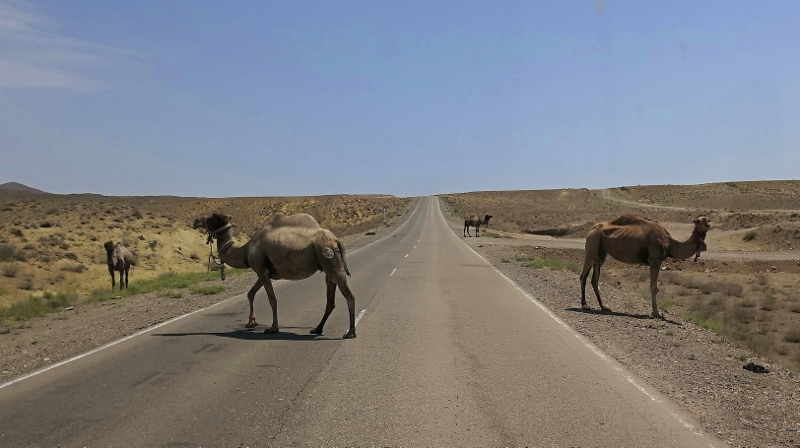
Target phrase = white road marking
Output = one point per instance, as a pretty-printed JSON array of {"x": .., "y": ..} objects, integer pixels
[
  {"x": 393, "y": 271},
  {"x": 358, "y": 318}
]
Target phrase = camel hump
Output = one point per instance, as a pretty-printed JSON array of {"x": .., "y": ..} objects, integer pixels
[
  {"x": 630, "y": 220},
  {"x": 298, "y": 220}
]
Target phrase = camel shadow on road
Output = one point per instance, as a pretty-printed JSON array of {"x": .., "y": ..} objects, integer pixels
[
  {"x": 257, "y": 334},
  {"x": 620, "y": 314}
]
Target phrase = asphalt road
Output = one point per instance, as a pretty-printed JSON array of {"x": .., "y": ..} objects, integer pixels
[{"x": 449, "y": 353}]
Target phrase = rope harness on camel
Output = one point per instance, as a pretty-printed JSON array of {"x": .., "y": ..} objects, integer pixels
[{"x": 211, "y": 257}]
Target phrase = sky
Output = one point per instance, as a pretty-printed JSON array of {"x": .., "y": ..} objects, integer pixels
[{"x": 227, "y": 98}]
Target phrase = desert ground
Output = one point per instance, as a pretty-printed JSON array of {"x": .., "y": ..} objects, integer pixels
[{"x": 736, "y": 305}]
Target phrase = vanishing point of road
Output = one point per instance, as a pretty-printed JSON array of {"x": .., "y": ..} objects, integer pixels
[{"x": 449, "y": 353}]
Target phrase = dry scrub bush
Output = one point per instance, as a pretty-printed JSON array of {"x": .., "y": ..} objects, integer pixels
[
  {"x": 10, "y": 270},
  {"x": 770, "y": 303},
  {"x": 7, "y": 252},
  {"x": 26, "y": 284},
  {"x": 741, "y": 315},
  {"x": 793, "y": 335},
  {"x": 73, "y": 267},
  {"x": 55, "y": 278}
]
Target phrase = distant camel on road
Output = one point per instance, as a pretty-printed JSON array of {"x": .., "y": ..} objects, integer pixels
[{"x": 475, "y": 221}]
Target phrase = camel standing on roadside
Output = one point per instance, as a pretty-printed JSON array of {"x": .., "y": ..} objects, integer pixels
[
  {"x": 634, "y": 240},
  {"x": 475, "y": 221},
  {"x": 287, "y": 247},
  {"x": 118, "y": 259}
]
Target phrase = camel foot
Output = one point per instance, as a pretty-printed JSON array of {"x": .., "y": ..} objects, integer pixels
[
  {"x": 585, "y": 306},
  {"x": 271, "y": 330},
  {"x": 349, "y": 335},
  {"x": 605, "y": 309},
  {"x": 656, "y": 315},
  {"x": 251, "y": 324},
  {"x": 316, "y": 331}
]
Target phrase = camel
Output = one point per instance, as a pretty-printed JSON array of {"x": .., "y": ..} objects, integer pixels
[
  {"x": 475, "y": 221},
  {"x": 288, "y": 247},
  {"x": 634, "y": 240},
  {"x": 118, "y": 259}
]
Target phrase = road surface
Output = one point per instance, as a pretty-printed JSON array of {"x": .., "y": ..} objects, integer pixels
[{"x": 449, "y": 353}]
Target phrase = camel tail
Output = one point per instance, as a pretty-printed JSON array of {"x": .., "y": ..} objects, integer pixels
[
  {"x": 602, "y": 252},
  {"x": 344, "y": 262}
]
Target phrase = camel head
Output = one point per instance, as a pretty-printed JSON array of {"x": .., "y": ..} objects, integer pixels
[
  {"x": 486, "y": 219},
  {"x": 213, "y": 223},
  {"x": 109, "y": 246},
  {"x": 702, "y": 225}
]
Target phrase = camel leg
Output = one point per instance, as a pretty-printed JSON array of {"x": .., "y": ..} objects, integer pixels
[
  {"x": 654, "y": 268},
  {"x": 273, "y": 303},
  {"x": 111, "y": 271},
  {"x": 331, "y": 294},
  {"x": 596, "y": 280},
  {"x": 587, "y": 266},
  {"x": 126, "y": 278},
  {"x": 335, "y": 275},
  {"x": 466, "y": 229},
  {"x": 478, "y": 230},
  {"x": 251, "y": 295},
  {"x": 351, "y": 306}
]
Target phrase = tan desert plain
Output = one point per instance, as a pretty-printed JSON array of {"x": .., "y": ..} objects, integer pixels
[{"x": 727, "y": 347}]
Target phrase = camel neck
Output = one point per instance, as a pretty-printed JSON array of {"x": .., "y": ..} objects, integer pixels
[
  {"x": 235, "y": 257},
  {"x": 683, "y": 250}
]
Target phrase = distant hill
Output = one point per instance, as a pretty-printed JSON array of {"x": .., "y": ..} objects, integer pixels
[{"x": 16, "y": 186}]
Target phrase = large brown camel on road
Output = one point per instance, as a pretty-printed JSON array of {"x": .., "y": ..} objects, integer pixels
[
  {"x": 287, "y": 247},
  {"x": 118, "y": 259},
  {"x": 475, "y": 221},
  {"x": 634, "y": 240}
]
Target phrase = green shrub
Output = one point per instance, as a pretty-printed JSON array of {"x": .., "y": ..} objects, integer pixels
[
  {"x": 750, "y": 235},
  {"x": 39, "y": 305},
  {"x": 707, "y": 322},
  {"x": 556, "y": 264}
]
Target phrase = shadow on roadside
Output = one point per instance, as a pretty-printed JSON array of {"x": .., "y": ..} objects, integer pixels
[{"x": 619, "y": 314}]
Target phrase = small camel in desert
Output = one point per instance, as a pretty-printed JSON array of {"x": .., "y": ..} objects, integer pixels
[
  {"x": 287, "y": 247},
  {"x": 634, "y": 240},
  {"x": 118, "y": 259},
  {"x": 475, "y": 221}
]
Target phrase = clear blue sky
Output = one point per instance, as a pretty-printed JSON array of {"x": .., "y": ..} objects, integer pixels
[{"x": 273, "y": 98}]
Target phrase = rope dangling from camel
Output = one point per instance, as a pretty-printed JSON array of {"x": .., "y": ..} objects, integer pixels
[{"x": 212, "y": 257}]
